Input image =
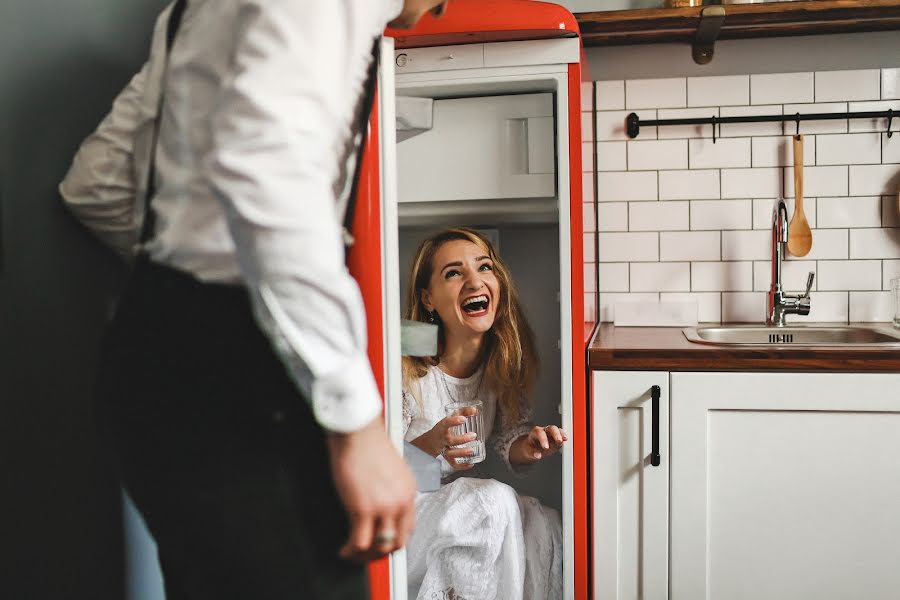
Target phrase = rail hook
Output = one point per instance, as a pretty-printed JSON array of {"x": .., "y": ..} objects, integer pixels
[
  {"x": 797, "y": 120},
  {"x": 714, "y": 128},
  {"x": 890, "y": 118}
]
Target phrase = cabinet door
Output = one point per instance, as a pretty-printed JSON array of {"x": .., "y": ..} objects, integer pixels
[
  {"x": 630, "y": 500},
  {"x": 785, "y": 486}
]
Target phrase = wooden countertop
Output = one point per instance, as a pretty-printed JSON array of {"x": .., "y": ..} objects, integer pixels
[{"x": 666, "y": 349}]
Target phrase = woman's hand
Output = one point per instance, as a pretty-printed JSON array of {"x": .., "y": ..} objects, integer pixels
[
  {"x": 440, "y": 439},
  {"x": 540, "y": 443}
]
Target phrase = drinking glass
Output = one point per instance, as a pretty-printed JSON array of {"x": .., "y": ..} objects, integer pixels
[
  {"x": 473, "y": 411},
  {"x": 895, "y": 295}
]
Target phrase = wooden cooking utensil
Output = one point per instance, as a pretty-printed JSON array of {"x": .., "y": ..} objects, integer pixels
[{"x": 799, "y": 235}]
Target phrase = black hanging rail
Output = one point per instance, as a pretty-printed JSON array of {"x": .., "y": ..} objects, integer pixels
[{"x": 633, "y": 122}]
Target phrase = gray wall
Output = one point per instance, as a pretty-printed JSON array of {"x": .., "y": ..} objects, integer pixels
[{"x": 61, "y": 64}]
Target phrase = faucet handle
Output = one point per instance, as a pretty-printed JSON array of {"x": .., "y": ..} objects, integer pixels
[{"x": 809, "y": 282}]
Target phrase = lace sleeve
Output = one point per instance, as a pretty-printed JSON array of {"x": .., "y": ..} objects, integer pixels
[
  {"x": 508, "y": 430},
  {"x": 407, "y": 411}
]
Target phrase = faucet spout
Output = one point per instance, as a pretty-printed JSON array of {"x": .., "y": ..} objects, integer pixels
[{"x": 778, "y": 303}]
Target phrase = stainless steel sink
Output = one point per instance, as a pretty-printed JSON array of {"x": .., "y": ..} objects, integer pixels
[{"x": 796, "y": 335}]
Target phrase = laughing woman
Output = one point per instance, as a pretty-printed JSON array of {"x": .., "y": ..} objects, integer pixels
[{"x": 476, "y": 538}]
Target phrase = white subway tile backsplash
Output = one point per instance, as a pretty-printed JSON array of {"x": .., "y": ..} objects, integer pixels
[
  {"x": 590, "y": 310},
  {"x": 890, "y": 211},
  {"x": 891, "y": 271},
  {"x": 587, "y": 102},
  {"x": 724, "y": 154},
  {"x": 628, "y": 247},
  {"x": 587, "y": 187},
  {"x": 890, "y": 148},
  {"x": 589, "y": 251},
  {"x": 721, "y": 276},
  {"x": 686, "y": 131},
  {"x": 751, "y": 183},
  {"x": 612, "y": 216},
  {"x": 611, "y": 95},
  {"x": 793, "y": 275},
  {"x": 818, "y": 181},
  {"x": 814, "y": 127},
  {"x": 721, "y": 214},
  {"x": 611, "y": 125},
  {"x": 587, "y": 127},
  {"x": 730, "y": 90},
  {"x": 655, "y": 155},
  {"x": 625, "y": 186},
  {"x": 781, "y": 88},
  {"x": 587, "y": 217},
  {"x": 746, "y": 307},
  {"x": 871, "y": 307},
  {"x": 843, "y": 86},
  {"x": 608, "y": 302},
  {"x": 660, "y": 277},
  {"x": 688, "y": 185},
  {"x": 587, "y": 157},
  {"x": 869, "y": 180},
  {"x": 589, "y": 283},
  {"x": 690, "y": 245},
  {"x": 658, "y": 216},
  {"x": 779, "y": 151},
  {"x": 613, "y": 277},
  {"x": 890, "y": 83},
  {"x": 824, "y": 307},
  {"x": 681, "y": 218},
  {"x": 709, "y": 304},
  {"x": 611, "y": 156},
  {"x": 848, "y": 149},
  {"x": 875, "y": 243},
  {"x": 748, "y": 129},
  {"x": 656, "y": 93},
  {"x": 859, "y": 211},
  {"x": 746, "y": 245},
  {"x": 873, "y": 124},
  {"x": 828, "y": 244},
  {"x": 849, "y": 275}
]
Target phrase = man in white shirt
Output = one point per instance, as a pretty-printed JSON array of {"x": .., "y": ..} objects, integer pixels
[{"x": 235, "y": 385}]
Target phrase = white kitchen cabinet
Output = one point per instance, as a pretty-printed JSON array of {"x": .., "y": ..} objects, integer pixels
[
  {"x": 630, "y": 497},
  {"x": 482, "y": 148},
  {"x": 782, "y": 486}
]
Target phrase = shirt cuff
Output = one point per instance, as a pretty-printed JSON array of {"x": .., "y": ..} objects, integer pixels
[{"x": 348, "y": 400}]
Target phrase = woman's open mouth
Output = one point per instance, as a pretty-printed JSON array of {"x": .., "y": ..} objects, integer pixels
[{"x": 476, "y": 306}]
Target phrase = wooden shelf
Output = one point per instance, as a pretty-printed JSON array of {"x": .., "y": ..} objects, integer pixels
[{"x": 772, "y": 19}]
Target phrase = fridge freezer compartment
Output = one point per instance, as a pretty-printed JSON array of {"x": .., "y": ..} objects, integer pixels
[{"x": 482, "y": 148}]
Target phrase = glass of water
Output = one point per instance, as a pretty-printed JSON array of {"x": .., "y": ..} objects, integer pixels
[
  {"x": 473, "y": 411},
  {"x": 895, "y": 296}
]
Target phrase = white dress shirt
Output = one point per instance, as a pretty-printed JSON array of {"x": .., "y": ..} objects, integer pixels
[{"x": 253, "y": 163}]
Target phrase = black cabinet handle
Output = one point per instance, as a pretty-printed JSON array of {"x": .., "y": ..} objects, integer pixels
[{"x": 654, "y": 417}]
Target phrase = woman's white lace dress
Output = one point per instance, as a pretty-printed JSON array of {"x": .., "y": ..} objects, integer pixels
[{"x": 477, "y": 539}]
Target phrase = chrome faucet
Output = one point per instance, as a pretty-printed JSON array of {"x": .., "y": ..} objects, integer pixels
[{"x": 779, "y": 303}]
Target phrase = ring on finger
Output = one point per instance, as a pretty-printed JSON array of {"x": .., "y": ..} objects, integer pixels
[{"x": 383, "y": 538}]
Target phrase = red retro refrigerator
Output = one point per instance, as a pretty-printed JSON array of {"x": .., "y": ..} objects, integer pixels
[{"x": 478, "y": 123}]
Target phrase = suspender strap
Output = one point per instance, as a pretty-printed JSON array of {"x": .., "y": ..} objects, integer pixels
[
  {"x": 362, "y": 126},
  {"x": 171, "y": 31}
]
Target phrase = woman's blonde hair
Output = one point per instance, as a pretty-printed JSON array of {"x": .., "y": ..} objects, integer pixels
[{"x": 509, "y": 357}]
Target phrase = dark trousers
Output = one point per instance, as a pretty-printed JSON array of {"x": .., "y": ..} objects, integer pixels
[{"x": 217, "y": 449}]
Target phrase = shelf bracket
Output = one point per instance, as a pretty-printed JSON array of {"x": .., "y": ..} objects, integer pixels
[{"x": 704, "y": 46}]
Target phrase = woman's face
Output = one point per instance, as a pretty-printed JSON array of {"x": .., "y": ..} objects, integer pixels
[{"x": 463, "y": 289}]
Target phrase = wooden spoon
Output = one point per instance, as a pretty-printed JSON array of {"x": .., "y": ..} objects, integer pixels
[{"x": 799, "y": 235}]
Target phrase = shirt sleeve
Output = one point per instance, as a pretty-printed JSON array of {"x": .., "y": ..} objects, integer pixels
[
  {"x": 507, "y": 430},
  {"x": 272, "y": 164},
  {"x": 99, "y": 188}
]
